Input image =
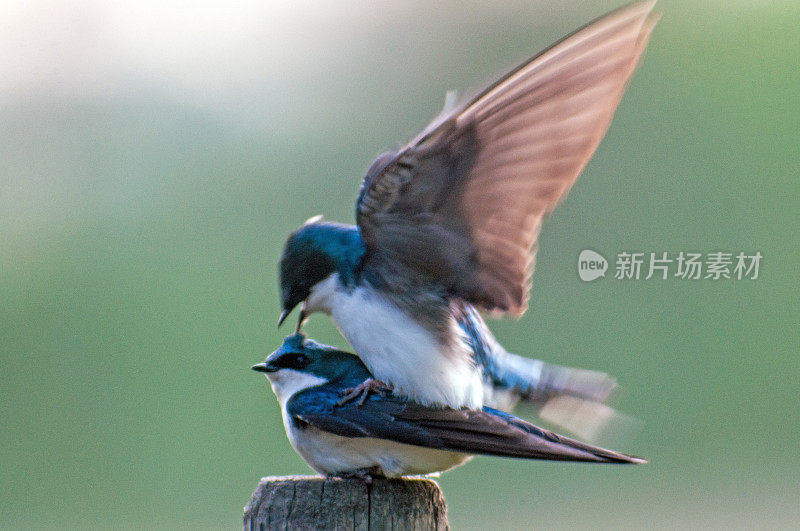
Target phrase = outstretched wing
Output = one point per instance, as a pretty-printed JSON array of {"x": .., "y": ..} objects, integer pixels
[
  {"x": 469, "y": 431},
  {"x": 461, "y": 206}
]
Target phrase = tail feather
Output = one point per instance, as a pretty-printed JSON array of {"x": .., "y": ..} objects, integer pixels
[
  {"x": 521, "y": 378},
  {"x": 536, "y": 382},
  {"x": 573, "y": 399}
]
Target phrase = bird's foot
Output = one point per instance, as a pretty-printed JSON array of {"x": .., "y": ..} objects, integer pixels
[
  {"x": 367, "y": 475},
  {"x": 363, "y": 390}
]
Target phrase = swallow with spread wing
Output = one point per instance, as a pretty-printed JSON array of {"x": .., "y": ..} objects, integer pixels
[{"x": 449, "y": 224}]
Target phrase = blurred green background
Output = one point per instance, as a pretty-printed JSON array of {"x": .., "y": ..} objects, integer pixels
[{"x": 154, "y": 157}]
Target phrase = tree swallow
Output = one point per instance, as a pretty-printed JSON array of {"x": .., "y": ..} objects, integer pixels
[
  {"x": 449, "y": 223},
  {"x": 393, "y": 436}
]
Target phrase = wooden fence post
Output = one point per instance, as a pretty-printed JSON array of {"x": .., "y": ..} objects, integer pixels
[{"x": 314, "y": 502}]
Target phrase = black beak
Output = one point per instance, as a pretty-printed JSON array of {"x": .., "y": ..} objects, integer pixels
[
  {"x": 300, "y": 321},
  {"x": 263, "y": 367},
  {"x": 282, "y": 318}
]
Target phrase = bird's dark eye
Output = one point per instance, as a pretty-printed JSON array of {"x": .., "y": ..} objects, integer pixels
[{"x": 293, "y": 360}]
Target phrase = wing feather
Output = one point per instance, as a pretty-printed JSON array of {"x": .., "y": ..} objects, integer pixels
[
  {"x": 470, "y": 431},
  {"x": 473, "y": 189}
]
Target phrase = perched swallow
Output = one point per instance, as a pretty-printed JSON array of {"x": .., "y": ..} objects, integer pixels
[
  {"x": 449, "y": 223},
  {"x": 393, "y": 436}
]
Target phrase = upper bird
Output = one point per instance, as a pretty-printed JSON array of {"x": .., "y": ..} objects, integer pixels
[{"x": 449, "y": 223}]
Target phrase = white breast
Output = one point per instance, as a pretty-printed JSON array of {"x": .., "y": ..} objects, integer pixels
[
  {"x": 332, "y": 454},
  {"x": 287, "y": 382},
  {"x": 397, "y": 350}
]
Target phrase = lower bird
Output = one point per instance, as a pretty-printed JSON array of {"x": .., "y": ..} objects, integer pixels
[{"x": 389, "y": 435}]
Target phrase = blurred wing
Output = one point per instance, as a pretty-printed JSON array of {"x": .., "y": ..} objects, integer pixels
[
  {"x": 469, "y": 431},
  {"x": 591, "y": 421},
  {"x": 461, "y": 206}
]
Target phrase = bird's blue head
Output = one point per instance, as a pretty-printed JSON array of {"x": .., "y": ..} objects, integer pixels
[
  {"x": 303, "y": 355},
  {"x": 311, "y": 254}
]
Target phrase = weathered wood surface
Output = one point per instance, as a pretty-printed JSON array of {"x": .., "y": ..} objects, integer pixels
[{"x": 314, "y": 502}]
